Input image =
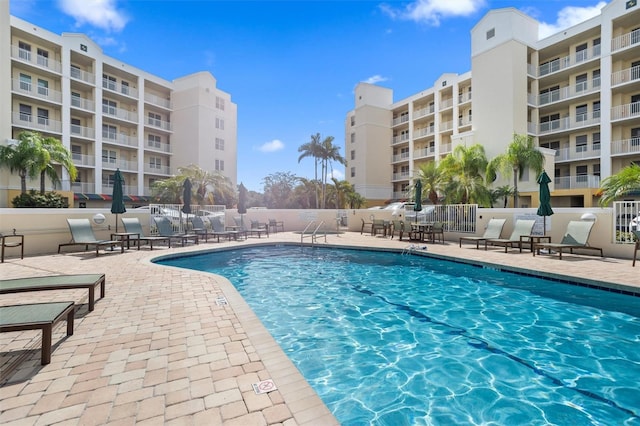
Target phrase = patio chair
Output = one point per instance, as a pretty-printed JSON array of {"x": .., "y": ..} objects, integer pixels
[
  {"x": 240, "y": 227},
  {"x": 576, "y": 237},
  {"x": 378, "y": 225},
  {"x": 82, "y": 234},
  {"x": 637, "y": 246},
  {"x": 521, "y": 228},
  {"x": 493, "y": 231},
  {"x": 368, "y": 225},
  {"x": 276, "y": 225},
  {"x": 57, "y": 282},
  {"x": 165, "y": 229},
  {"x": 397, "y": 226},
  {"x": 259, "y": 228},
  {"x": 435, "y": 231},
  {"x": 201, "y": 228},
  {"x": 219, "y": 230},
  {"x": 12, "y": 241},
  {"x": 133, "y": 225}
]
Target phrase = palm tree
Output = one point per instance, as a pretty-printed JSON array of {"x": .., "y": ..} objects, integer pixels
[
  {"x": 209, "y": 187},
  {"x": 462, "y": 176},
  {"x": 503, "y": 192},
  {"x": 57, "y": 154},
  {"x": 431, "y": 178},
  {"x": 622, "y": 183},
  {"x": 522, "y": 154},
  {"x": 328, "y": 153},
  {"x": 168, "y": 190},
  {"x": 312, "y": 149},
  {"x": 26, "y": 157}
]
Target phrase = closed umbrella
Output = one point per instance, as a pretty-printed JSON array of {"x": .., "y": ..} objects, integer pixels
[
  {"x": 418, "y": 204},
  {"x": 186, "y": 198},
  {"x": 117, "y": 199},
  {"x": 544, "y": 209},
  {"x": 242, "y": 201}
]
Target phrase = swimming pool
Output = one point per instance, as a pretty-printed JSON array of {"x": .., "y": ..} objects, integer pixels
[{"x": 391, "y": 339}]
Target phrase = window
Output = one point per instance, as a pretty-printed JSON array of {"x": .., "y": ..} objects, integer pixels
[
  {"x": 109, "y": 82},
  {"x": 24, "y": 51},
  {"x": 43, "y": 57},
  {"x": 549, "y": 122},
  {"x": 353, "y": 154},
  {"x": 43, "y": 116},
  {"x": 596, "y": 169},
  {"x": 596, "y": 79},
  {"x": 635, "y": 104},
  {"x": 25, "y": 112},
  {"x": 596, "y": 109},
  {"x": 154, "y": 141},
  {"x": 76, "y": 100},
  {"x": 220, "y": 103},
  {"x": 76, "y": 127},
  {"x": 125, "y": 87},
  {"x": 404, "y": 135},
  {"x": 595, "y": 141},
  {"x": 491, "y": 33},
  {"x": 353, "y": 120},
  {"x": 581, "y": 174},
  {"x": 109, "y": 106},
  {"x": 109, "y": 132},
  {"x": 219, "y": 165},
  {"x": 43, "y": 87},
  {"x": 219, "y": 123},
  {"x": 25, "y": 82},
  {"x": 550, "y": 94},
  {"x": 220, "y": 144},
  {"x": 155, "y": 119},
  {"x": 353, "y": 172},
  {"x": 635, "y": 137},
  {"x": 581, "y": 143},
  {"x": 155, "y": 163},
  {"x": 353, "y": 137},
  {"x": 109, "y": 156},
  {"x": 581, "y": 52},
  {"x": 107, "y": 180},
  {"x": 581, "y": 83},
  {"x": 552, "y": 145},
  {"x": 581, "y": 113},
  {"x": 76, "y": 72},
  {"x": 76, "y": 153}
]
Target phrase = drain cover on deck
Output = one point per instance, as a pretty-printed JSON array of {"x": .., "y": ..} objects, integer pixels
[
  {"x": 264, "y": 386},
  {"x": 221, "y": 301}
]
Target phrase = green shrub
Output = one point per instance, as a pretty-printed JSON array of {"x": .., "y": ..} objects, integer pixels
[{"x": 33, "y": 199}]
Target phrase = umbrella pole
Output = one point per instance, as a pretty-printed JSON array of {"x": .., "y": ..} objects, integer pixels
[{"x": 116, "y": 223}]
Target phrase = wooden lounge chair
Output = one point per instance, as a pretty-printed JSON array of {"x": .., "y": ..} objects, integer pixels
[
  {"x": 521, "y": 228},
  {"x": 493, "y": 231},
  {"x": 576, "y": 237},
  {"x": 37, "y": 316},
  {"x": 82, "y": 234},
  {"x": 166, "y": 230},
  {"x": 57, "y": 282},
  {"x": 132, "y": 224}
]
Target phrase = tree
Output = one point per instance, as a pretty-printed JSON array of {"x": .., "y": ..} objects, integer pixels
[
  {"x": 328, "y": 153},
  {"x": 431, "y": 178},
  {"x": 522, "y": 154},
  {"x": 305, "y": 194},
  {"x": 503, "y": 192},
  {"x": 207, "y": 187},
  {"x": 168, "y": 190},
  {"x": 462, "y": 177},
  {"x": 278, "y": 188},
  {"x": 622, "y": 183},
  {"x": 312, "y": 149},
  {"x": 27, "y": 157},
  {"x": 58, "y": 154}
]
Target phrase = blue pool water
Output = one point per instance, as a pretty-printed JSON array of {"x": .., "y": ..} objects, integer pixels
[{"x": 388, "y": 339}]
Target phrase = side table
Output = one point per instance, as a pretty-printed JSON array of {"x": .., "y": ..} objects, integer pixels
[
  {"x": 533, "y": 239},
  {"x": 126, "y": 237}
]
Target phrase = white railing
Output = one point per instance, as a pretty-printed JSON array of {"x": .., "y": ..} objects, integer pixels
[
  {"x": 400, "y": 139},
  {"x": 157, "y": 100},
  {"x": 567, "y": 123},
  {"x": 625, "y": 76},
  {"x": 119, "y": 139},
  {"x": 626, "y": 40},
  {"x": 399, "y": 120},
  {"x": 126, "y": 189},
  {"x": 82, "y": 103},
  {"x": 83, "y": 160},
  {"x": 625, "y": 146},
  {"x": 464, "y": 121},
  {"x": 577, "y": 153},
  {"x": 37, "y": 60},
  {"x": 424, "y": 131},
  {"x": 157, "y": 170},
  {"x": 446, "y": 125},
  {"x": 160, "y": 124},
  {"x": 569, "y": 92},
  {"x": 83, "y": 132},
  {"x": 38, "y": 123},
  {"x": 424, "y": 152},
  {"x": 446, "y": 103},
  {"x": 626, "y": 218},
  {"x": 159, "y": 146},
  {"x": 445, "y": 148},
  {"x": 621, "y": 112},
  {"x": 404, "y": 156},
  {"x": 120, "y": 113},
  {"x": 119, "y": 88},
  {"x": 125, "y": 165},
  {"x": 454, "y": 217},
  {"x": 82, "y": 75},
  {"x": 83, "y": 187},
  {"x": 26, "y": 88},
  {"x": 576, "y": 182},
  {"x": 401, "y": 176},
  {"x": 464, "y": 97},
  {"x": 423, "y": 111},
  {"x": 568, "y": 61}
]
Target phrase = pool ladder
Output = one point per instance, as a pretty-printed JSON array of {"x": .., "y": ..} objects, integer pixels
[{"x": 314, "y": 234}]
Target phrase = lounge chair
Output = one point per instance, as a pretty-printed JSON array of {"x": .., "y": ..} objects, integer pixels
[
  {"x": 165, "y": 229},
  {"x": 636, "y": 247},
  {"x": 259, "y": 228},
  {"x": 200, "y": 228},
  {"x": 240, "y": 227},
  {"x": 521, "y": 228},
  {"x": 57, "y": 282},
  {"x": 576, "y": 237},
  {"x": 219, "y": 230},
  {"x": 493, "y": 231},
  {"x": 37, "y": 316},
  {"x": 132, "y": 224},
  {"x": 82, "y": 234}
]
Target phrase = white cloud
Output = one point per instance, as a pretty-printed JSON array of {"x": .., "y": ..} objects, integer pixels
[
  {"x": 98, "y": 13},
  {"x": 375, "y": 79},
  {"x": 337, "y": 174},
  {"x": 274, "y": 145},
  {"x": 433, "y": 11},
  {"x": 568, "y": 17}
]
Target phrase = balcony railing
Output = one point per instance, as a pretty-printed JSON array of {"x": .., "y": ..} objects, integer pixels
[
  {"x": 120, "y": 113},
  {"x": 82, "y": 103},
  {"x": 464, "y": 121},
  {"x": 568, "y": 61},
  {"x": 83, "y": 187},
  {"x": 424, "y": 131},
  {"x": 159, "y": 124},
  {"x": 423, "y": 111},
  {"x": 464, "y": 97},
  {"x": 26, "y": 88},
  {"x": 625, "y": 76},
  {"x": 37, "y": 123},
  {"x": 399, "y": 120},
  {"x": 157, "y": 170},
  {"x": 404, "y": 156},
  {"x": 40, "y": 61},
  {"x": 568, "y": 123},
  {"x": 124, "y": 165},
  {"x": 446, "y": 103},
  {"x": 577, "y": 153},
  {"x": 424, "y": 152},
  {"x": 157, "y": 100},
  {"x": 119, "y": 139},
  {"x": 446, "y": 125},
  {"x": 445, "y": 148},
  {"x": 576, "y": 182},
  {"x": 83, "y": 160},
  {"x": 625, "y": 146},
  {"x": 400, "y": 139},
  {"x": 569, "y": 92},
  {"x": 159, "y": 146},
  {"x": 82, "y": 75},
  {"x": 126, "y": 189},
  {"x": 401, "y": 176},
  {"x": 119, "y": 88},
  {"x": 621, "y": 112},
  {"x": 626, "y": 40},
  {"x": 83, "y": 132}
]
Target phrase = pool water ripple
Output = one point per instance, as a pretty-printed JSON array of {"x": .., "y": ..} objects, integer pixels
[{"x": 390, "y": 339}]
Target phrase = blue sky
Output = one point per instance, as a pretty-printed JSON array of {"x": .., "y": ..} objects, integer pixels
[{"x": 291, "y": 66}]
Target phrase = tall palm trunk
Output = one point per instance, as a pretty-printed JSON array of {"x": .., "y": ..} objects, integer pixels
[{"x": 515, "y": 187}]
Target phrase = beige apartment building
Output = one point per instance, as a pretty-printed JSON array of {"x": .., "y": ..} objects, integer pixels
[
  {"x": 108, "y": 114},
  {"x": 577, "y": 93}
]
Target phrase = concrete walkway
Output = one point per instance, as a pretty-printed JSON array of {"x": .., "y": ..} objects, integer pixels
[{"x": 163, "y": 347}]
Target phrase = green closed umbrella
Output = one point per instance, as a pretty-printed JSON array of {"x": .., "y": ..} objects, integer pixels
[
  {"x": 418, "y": 204},
  {"x": 242, "y": 202},
  {"x": 544, "y": 209},
  {"x": 117, "y": 199}
]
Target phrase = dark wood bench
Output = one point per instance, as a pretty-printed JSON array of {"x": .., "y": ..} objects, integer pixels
[
  {"x": 56, "y": 282},
  {"x": 37, "y": 316}
]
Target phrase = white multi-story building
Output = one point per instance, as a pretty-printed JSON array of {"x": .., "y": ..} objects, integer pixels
[
  {"x": 577, "y": 93},
  {"x": 108, "y": 114}
]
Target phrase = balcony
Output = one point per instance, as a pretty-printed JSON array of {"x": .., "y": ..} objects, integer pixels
[
  {"x": 464, "y": 121},
  {"x": 36, "y": 123},
  {"x": 124, "y": 165},
  {"x": 82, "y": 103},
  {"x": 626, "y": 40},
  {"x": 126, "y": 189},
  {"x": 157, "y": 170},
  {"x": 39, "y": 61},
  {"x": 577, "y": 182},
  {"x": 159, "y": 124},
  {"x": 78, "y": 74},
  {"x": 625, "y": 76},
  {"x": 422, "y": 112},
  {"x": 39, "y": 92},
  {"x": 401, "y": 176},
  {"x": 400, "y": 139},
  {"x": 446, "y": 103},
  {"x": 120, "y": 113},
  {"x": 157, "y": 101},
  {"x": 622, "y": 112},
  {"x": 568, "y": 92},
  {"x": 568, "y": 123},
  {"x": 400, "y": 157},
  {"x": 445, "y": 148},
  {"x": 464, "y": 97},
  {"x": 82, "y": 132},
  {"x": 625, "y": 146},
  {"x": 83, "y": 160},
  {"x": 568, "y": 61},
  {"x": 83, "y": 187},
  {"x": 580, "y": 152},
  {"x": 119, "y": 139},
  {"x": 446, "y": 125},
  {"x": 423, "y": 132},
  {"x": 159, "y": 147},
  {"x": 399, "y": 120},
  {"x": 122, "y": 89},
  {"x": 424, "y": 152}
]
